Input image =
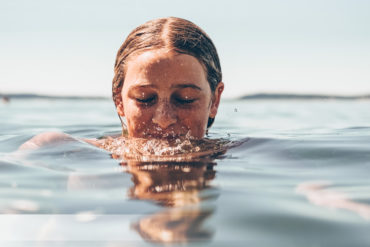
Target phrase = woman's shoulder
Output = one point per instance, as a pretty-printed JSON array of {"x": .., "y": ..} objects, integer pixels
[
  {"x": 44, "y": 139},
  {"x": 54, "y": 138}
]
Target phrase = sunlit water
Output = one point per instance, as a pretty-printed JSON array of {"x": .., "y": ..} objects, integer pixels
[{"x": 258, "y": 193}]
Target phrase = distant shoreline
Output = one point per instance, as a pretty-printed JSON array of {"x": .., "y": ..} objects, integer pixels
[
  {"x": 259, "y": 96},
  {"x": 286, "y": 96},
  {"x": 51, "y": 97}
]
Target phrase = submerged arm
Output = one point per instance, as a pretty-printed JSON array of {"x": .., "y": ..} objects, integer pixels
[
  {"x": 317, "y": 193},
  {"x": 53, "y": 138},
  {"x": 46, "y": 139}
]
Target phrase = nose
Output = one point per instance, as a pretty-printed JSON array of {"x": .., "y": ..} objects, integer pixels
[{"x": 164, "y": 115}]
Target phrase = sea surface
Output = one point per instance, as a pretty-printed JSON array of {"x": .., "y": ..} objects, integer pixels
[{"x": 300, "y": 177}]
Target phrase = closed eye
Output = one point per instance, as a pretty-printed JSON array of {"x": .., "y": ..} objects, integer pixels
[
  {"x": 146, "y": 100},
  {"x": 184, "y": 100}
]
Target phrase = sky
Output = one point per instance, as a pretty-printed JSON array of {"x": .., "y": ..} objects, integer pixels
[{"x": 265, "y": 46}]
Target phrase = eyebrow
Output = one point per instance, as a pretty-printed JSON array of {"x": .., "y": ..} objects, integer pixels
[
  {"x": 186, "y": 86},
  {"x": 143, "y": 86}
]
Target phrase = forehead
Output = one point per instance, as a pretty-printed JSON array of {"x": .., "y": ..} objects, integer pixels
[{"x": 164, "y": 68}]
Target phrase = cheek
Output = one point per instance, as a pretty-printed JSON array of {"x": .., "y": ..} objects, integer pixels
[
  {"x": 195, "y": 120},
  {"x": 137, "y": 118}
]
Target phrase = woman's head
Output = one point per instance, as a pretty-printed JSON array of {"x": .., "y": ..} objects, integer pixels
[{"x": 167, "y": 80}]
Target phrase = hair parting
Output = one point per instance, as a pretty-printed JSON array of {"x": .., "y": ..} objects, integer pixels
[{"x": 177, "y": 34}]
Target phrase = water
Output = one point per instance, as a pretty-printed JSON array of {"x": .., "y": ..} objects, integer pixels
[{"x": 300, "y": 179}]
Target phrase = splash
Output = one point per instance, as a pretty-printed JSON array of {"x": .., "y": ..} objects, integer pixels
[{"x": 185, "y": 149}]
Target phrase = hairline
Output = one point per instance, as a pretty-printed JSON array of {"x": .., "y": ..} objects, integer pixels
[{"x": 168, "y": 48}]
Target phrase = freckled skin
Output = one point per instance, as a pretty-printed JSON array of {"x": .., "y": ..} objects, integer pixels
[{"x": 166, "y": 94}]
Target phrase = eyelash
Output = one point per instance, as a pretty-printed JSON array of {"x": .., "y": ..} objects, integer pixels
[
  {"x": 147, "y": 100},
  {"x": 151, "y": 100},
  {"x": 184, "y": 101}
]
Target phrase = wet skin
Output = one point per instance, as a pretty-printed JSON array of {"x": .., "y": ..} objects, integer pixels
[{"x": 166, "y": 94}]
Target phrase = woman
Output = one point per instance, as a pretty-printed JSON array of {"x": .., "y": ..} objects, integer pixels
[
  {"x": 167, "y": 80},
  {"x": 167, "y": 83}
]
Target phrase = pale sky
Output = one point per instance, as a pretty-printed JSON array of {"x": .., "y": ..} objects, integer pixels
[{"x": 293, "y": 46}]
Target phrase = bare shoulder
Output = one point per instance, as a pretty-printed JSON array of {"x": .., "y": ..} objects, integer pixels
[
  {"x": 45, "y": 139},
  {"x": 55, "y": 138}
]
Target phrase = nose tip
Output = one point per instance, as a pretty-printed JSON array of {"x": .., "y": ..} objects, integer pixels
[{"x": 164, "y": 116}]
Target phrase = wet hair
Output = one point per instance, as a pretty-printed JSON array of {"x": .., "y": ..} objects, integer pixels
[{"x": 179, "y": 35}]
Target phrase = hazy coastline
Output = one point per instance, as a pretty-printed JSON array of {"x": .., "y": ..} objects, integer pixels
[
  {"x": 289, "y": 96},
  {"x": 52, "y": 97},
  {"x": 259, "y": 96}
]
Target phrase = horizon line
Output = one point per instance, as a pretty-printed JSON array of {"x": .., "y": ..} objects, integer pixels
[{"x": 244, "y": 97}]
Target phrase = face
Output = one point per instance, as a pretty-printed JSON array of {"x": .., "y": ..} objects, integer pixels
[{"x": 166, "y": 94}]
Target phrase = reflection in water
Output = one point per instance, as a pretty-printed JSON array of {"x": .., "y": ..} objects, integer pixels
[
  {"x": 175, "y": 225},
  {"x": 184, "y": 189}
]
